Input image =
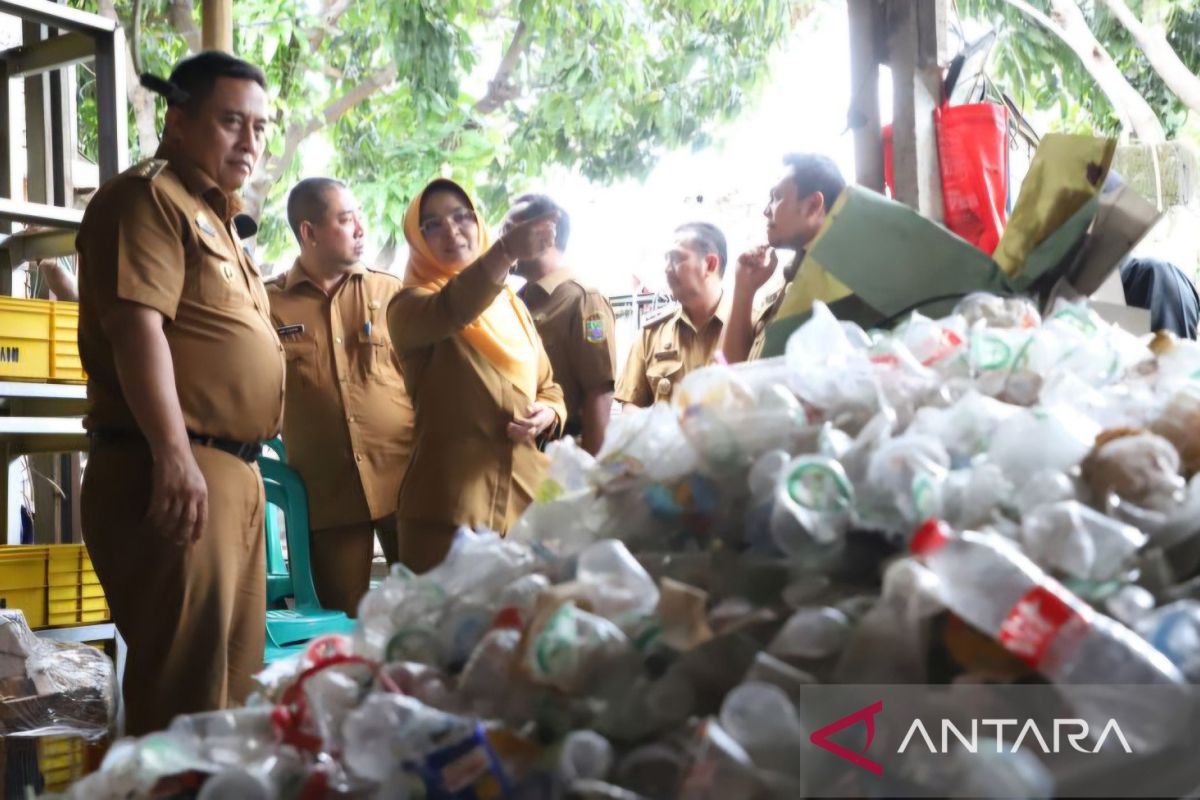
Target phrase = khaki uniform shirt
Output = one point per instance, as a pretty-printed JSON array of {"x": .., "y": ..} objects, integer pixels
[
  {"x": 464, "y": 468},
  {"x": 763, "y": 317},
  {"x": 347, "y": 422},
  {"x": 809, "y": 283},
  {"x": 161, "y": 235},
  {"x": 668, "y": 348},
  {"x": 578, "y": 331}
]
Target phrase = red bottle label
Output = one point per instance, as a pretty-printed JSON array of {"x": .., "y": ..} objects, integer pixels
[{"x": 1034, "y": 622}]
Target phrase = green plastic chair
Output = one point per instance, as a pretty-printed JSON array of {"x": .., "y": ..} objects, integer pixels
[
  {"x": 279, "y": 580},
  {"x": 289, "y": 627}
]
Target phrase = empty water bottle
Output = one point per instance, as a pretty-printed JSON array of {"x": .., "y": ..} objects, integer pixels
[
  {"x": 586, "y": 755},
  {"x": 1175, "y": 630},
  {"x": 1079, "y": 541},
  {"x": 813, "y": 504},
  {"x": 761, "y": 718},
  {"x": 988, "y": 582}
]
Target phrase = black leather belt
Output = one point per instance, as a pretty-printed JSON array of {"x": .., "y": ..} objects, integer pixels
[{"x": 246, "y": 451}]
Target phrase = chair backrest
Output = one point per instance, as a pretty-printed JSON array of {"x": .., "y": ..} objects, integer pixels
[
  {"x": 279, "y": 580},
  {"x": 285, "y": 489},
  {"x": 276, "y": 446}
]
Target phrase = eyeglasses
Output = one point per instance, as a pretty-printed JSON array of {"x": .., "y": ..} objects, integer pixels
[{"x": 463, "y": 219}]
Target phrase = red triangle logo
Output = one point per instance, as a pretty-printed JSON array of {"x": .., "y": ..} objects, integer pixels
[{"x": 867, "y": 715}]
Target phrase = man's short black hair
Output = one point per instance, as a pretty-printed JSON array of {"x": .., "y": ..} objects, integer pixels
[
  {"x": 309, "y": 202},
  {"x": 194, "y": 77},
  {"x": 707, "y": 238},
  {"x": 816, "y": 173},
  {"x": 540, "y": 205}
]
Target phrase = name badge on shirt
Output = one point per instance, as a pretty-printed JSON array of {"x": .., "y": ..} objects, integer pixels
[
  {"x": 290, "y": 330},
  {"x": 204, "y": 225}
]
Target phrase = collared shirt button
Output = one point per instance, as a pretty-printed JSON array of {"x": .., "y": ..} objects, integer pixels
[
  {"x": 358, "y": 457},
  {"x": 338, "y": 340}
]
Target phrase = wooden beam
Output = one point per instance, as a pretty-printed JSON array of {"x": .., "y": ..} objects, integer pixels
[
  {"x": 55, "y": 52},
  {"x": 39, "y": 214},
  {"x": 111, "y": 109},
  {"x": 866, "y": 20},
  {"x": 34, "y": 245},
  {"x": 916, "y": 37},
  {"x": 56, "y": 15},
  {"x": 39, "y": 173},
  {"x": 217, "y": 29}
]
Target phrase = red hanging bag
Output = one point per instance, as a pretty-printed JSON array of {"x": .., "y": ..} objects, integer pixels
[{"x": 973, "y": 160}]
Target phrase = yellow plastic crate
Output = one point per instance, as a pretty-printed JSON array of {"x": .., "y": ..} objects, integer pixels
[
  {"x": 23, "y": 581},
  {"x": 38, "y": 340},
  {"x": 62, "y": 760},
  {"x": 53, "y": 584},
  {"x": 74, "y": 593}
]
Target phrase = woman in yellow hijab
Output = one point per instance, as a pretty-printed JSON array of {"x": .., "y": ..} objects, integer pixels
[{"x": 476, "y": 371}]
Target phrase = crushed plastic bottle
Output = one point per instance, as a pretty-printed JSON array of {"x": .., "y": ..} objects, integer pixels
[
  {"x": 1174, "y": 629},
  {"x": 1080, "y": 542},
  {"x": 761, "y": 718},
  {"x": 987, "y": 581},
  {"x": 813, "y": 504},
  {"x": 618, "y": 587},
  {"x": 586, "y": 755},
  {"x": 811, "y": 633}
]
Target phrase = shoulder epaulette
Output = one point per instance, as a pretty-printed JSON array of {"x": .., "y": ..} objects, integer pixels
[
  {"x": 149, "y": 169},
  {"x": 384, "y": 272},
  {"x": 658, "y": 316}
]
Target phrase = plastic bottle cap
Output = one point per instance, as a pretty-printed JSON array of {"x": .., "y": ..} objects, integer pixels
[
  {"x": 929, "y": 537},
  {"x": 508, "y": 618}
]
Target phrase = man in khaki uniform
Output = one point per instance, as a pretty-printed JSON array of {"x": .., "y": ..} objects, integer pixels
[
  {"x": 185, "y": 381},
  {"x": 347, "y": 424},
  {"x": 576, "y": 325},
  {"x": 681, "y": 339},
  {"x": 799, "y": 203}
]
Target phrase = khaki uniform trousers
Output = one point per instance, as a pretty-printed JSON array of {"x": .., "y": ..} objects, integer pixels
[
  {"x": 341, "y": 561},
  {"x": 193, "y": 616},
  {"x": 424, "y": 545}
]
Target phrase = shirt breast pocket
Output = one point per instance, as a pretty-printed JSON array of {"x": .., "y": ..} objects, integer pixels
[
  {"x": 379, "y": 359},
  {"x": 301, "y": 355},
  {"x": 664, "y": 374},
  {"x": 216, "y": 275}
]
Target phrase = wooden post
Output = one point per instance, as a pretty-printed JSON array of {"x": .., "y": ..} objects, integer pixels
[
  {"x": 217, "y": 28},
  {"x": 915, "y": 44},
  {"x": 866, "y": 24}
]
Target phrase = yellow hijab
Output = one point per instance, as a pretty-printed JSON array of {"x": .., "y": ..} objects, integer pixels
[{"x": 503, "y": 333}]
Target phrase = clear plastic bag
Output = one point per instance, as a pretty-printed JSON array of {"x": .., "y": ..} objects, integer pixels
[
  {"x": 731, "y": 415},
  {"x": 52, "y": 688},
  {"x": 1080, "y": 542}
]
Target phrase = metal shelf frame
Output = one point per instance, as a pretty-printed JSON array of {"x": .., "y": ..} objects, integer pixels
[
  {"x": 45, "y": 419},
  {"x": 55, "y": 38}
]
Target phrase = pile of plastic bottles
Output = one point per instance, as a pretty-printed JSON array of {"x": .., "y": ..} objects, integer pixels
[{"x": 987, "y": 493}]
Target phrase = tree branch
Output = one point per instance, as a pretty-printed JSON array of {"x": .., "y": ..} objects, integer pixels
[
  {"x": 1066, "y": 22},
  {"x": 333, "y": 11},
  {"x": 135, "y": 35},
  {"x": 501, "y": 88},
  {"x": 1166, "y": 62},
  {"x": 141, "y": 99},
  {"x": 272, "y": 167},
  {"x": 182, "y": 16}
]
